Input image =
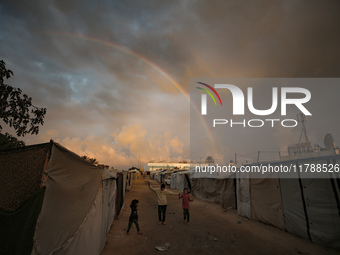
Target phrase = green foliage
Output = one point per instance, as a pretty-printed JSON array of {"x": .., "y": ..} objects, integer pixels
[
  {"x": 134, "y": 168},
  {"x": 16, "y": 109},
  {"x": 91, "y": 160},
  {"x": 8, "y": 141}
]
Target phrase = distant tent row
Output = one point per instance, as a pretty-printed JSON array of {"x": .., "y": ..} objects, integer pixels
[
  {"x": 161, "y": 174},
  {"x": 179, "y": 179},
  {"x": 306, "y": 207},
  {"x": 131, "y": 175},
  {"x": 157, "y": 175},
  {"x": 54, "y": 202},
  {"x": 218, "y": 189}
]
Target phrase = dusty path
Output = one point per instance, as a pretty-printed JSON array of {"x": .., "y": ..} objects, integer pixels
[{"x": 211, "y": 230}]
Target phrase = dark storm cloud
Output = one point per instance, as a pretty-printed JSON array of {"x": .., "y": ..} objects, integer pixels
[
  {"x": 273, "y": 38},
  {"x": 83, "y": 82}
]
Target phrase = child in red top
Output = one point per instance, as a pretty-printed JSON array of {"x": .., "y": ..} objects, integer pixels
[{"x": 185, "y": 203}]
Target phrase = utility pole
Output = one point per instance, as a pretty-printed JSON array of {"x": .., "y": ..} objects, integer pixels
[{"x": 303, "y": 119}]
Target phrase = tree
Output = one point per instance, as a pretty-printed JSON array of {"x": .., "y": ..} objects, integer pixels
[
  {"x": 91, "y": 160},
  {"x": 16, "y": 109},
  {"x": 134, "y": 168},
  {"x": 209, "y": 160},
  {"x": 8, "y": 141}
]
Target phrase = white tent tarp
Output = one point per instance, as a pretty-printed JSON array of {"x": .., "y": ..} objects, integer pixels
[
  {"x": 180, "y": 180},
  {"x": 69, "y": 203},
  {"x": 72, "y": 186}
]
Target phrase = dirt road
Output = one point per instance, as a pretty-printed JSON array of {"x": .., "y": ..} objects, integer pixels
[{"x": 211, "y": 230}]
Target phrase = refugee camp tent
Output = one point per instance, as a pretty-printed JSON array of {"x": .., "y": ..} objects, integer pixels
[
  {"x": 260, "y": 198},
  {"x": 220, "y": 191},
  {"x": 131, "y": 175},
  {"x": 158, "y": 175},
  {"x": 53, "y": 202},
  {"x": 134, "y": 174},
  {"x": 180, "y": 180},
  {"x": 164, "y": 174},
  {"x": 129, "y": 180},
  {"x": 266, "y": 203},
  {"x": 307, "y": 207},
  {"x": 121, "y": 188},
  {"x": 109, "y": 183},
  {"x": 214, "y": 187},
  {"x": 167, "y": 173},
  {"x": 243, "y": 195}
]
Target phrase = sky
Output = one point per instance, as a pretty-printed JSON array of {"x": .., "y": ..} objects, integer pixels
[{"x": 115, "y": 75}]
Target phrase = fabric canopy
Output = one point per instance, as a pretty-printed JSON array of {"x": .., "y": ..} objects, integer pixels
[{"x": 54, "y": 202}]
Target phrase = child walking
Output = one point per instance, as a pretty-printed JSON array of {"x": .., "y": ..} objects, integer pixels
[
  {"x": 185, "y": 203},
  {"x": 162, "y": 201},
  {"x": 134, "y": 216}
]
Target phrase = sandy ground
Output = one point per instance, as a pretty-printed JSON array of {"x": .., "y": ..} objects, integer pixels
[{"x": 211, "y": 230}]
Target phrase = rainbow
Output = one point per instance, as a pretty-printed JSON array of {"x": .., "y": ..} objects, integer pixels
[
  {"x": 128, "y": 52},
  {"x": 146, "y": 61}
]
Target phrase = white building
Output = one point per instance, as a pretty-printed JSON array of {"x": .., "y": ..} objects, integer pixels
[{"x": 165, "y": 165}]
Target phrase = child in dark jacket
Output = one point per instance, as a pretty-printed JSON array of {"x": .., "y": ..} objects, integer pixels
[{"x": 134, "y": 216}]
